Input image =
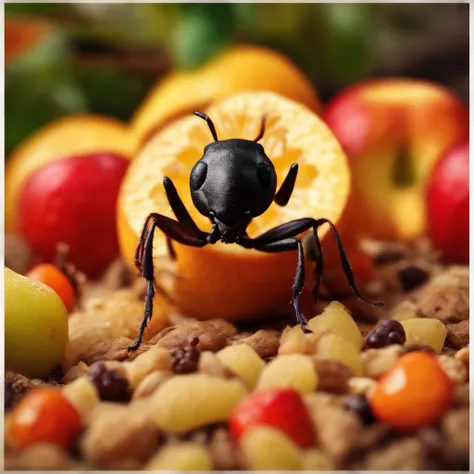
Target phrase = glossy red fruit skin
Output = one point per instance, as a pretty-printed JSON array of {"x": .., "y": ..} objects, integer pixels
[
  {"x": 447, "y": 201},
  {"x": 73, "y": 200},
  {"x": 282, "y": 409}
]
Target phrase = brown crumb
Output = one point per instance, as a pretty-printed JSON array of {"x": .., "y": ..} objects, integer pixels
[
  {"x": 458, "y": 335},
  {"x": 448, "y": 304},
  {"x": 332, "y": 375}
]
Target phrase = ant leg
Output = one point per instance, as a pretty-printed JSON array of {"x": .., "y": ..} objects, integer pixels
[
  {"x": 262, "y": 129},
  {"x": 284, "y": 193},
  {"x": 174, "y": 230},
  {"x": 298, "y": 283},
  {"x": 346, "y": 266}
]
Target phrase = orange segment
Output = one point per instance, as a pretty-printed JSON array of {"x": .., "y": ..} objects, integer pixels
[
  {"x": 62, "y": 138},
  {"x": 243, "y": 68},
  {"x": 226, "y": 280}
]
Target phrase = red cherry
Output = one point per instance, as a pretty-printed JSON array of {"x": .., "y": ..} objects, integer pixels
[
  {"x": 447, "y": 200},
  {"x": 73, "y": 200},
  {"x": 282, "y": 409}
]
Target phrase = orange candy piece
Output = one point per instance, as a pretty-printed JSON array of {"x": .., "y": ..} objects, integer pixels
[
  {"x": 416, "y": 392},
  {"x": 53, "y": 277},
  {"x": 45, "y": 415}
]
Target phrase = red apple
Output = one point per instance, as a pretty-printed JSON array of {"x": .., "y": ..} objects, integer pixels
[
  {"x": 447, "y": 202},
  {"x": 282, "y": 409},
  {"x": 394, "y": 131},
  {"x": 73, "y": 200}
]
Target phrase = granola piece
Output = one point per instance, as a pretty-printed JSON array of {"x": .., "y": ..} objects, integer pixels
[
  {"x": 181, "y": 456},
  {"x": 150, "y": 383},
  {"x": 332, "y": 375},
  {"x": 337, "y": 429},
  {"x": 210, "y": 338},
  {"x": 118, "y": 433},
  {"x": 463, "y": 356},
  {"x": 222, "y": 450},
  {"x": 401, "y": 455},
  {"x": 210, "y": 364},
  {"x": 455, "y": 426},
  {"x": 361, "y": 385},
  {"x": 75, "y": 372},
  {"x": 39, "y": 457},
  {"x": 317, "y": 460},
  {"x": 448, "y": 304},
  {"x": 265, "y": 342},
  {"x": 454, "y": 368},
  {"x": 462, "y": 396},
  {"x": 156, "y": 358},
  {"x": 378, "y": 361},
  {"x": 458, "y": 335}
]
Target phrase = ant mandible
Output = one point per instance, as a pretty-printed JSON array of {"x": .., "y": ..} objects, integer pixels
[{"x": 231, "y": 184}]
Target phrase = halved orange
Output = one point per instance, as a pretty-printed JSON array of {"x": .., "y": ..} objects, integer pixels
[
  {"x": 242, "y": 68},
  {"x": 68, "y": 136},
  {"x": 226, "y": 280}
]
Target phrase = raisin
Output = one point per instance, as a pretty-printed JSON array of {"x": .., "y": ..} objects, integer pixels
[
  {"x": 388, "y": 256},
  {"x": 412, "y": 277},
  {"x": 360, "y": 405},
  {"x": 185, "y": 360},
  {"x": 110, "y": 385},
  {"x": 387, "y": 333},
  {"x": 10, "y": 395}
]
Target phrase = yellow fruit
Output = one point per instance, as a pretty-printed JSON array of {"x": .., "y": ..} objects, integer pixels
[
  {"x": 244, "y": 362},
  {"x": 289, "y": 371},
  {"x": 222, "y": 280},
  {"x": 183, "y": 456},
  {"x": 334, "y": 346},
  {"x": 68, "y": 136},
  {"x": 187, "y": 402},
  {"x": 266, "y": 448},
  {"x": 243, "y": 68},
  {"x": 338, "y": 320},
  {"x": 431, "y": 332},
  {"x": 36, "y": 326}
]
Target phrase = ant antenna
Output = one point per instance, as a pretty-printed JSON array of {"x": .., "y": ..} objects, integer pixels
[
  {"x": 209, "y": 123},
  {"x": 262, "y": 128}
]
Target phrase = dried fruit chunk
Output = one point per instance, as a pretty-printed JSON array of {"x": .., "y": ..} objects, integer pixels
[
  {"x": 186, "y": 456},
  {"x": 414, "y": 393},
  {"x": 82, "y": 394},
  {"x": 244, "y": 362},
  {"x": 281, "y": 409},
  {"x": 295, "y": 341},
  {"x": 338, "y": 320},
  {"x": 186, "y": 402},
  {"x": 45, "y": 415},
  {"x": 333, "y": 346},
  {"x": 431, "y": 332},
  {"x": 265, "y": 448},
  {"x": 156, "y": 358},
  {"x": 289, "y": 371}
]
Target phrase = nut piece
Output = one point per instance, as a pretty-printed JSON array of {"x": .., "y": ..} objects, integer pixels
[
  {"x": 289, "y": 371},
  {"x": 156, "y": 358},
  {"x": 458, "y": 335},
  {"x": 265, "y": 448},
  {"x": 187, "y": 402},
  {"x": 338, "y": 320},
  {"x": 150, "y": 383},
  {"x": 333, "y": 346},
  {"x": 244, "y": 362},
  {"x": 82, "y": 394},
  {"x": 454, "y": 368},
  {"x": 317, "y": 460},
  {"x": 378, "y": 361},
  {"x": 332, "y": 375},
  {"x": 184, "y": 456},
  {"x": 119, "y": 433},
  {"x": 431, "y": 332},
  {"x": 265, "y": 342},
  {"x": 295, "y": 341},
  {"x": 448, "y": 304}
]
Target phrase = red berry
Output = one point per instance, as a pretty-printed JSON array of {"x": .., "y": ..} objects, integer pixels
[
  {"x": 282, "y": 409},
  {"x": 73, "y": 200}
]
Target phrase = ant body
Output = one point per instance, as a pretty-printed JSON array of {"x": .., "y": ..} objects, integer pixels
[{"x": 231, "y": 184}]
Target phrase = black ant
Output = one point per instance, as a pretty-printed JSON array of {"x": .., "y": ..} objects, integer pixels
[{"x": 231, "y": 184}]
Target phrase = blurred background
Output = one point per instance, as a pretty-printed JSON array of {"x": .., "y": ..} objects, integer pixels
[{"x": 62, "y": 59}]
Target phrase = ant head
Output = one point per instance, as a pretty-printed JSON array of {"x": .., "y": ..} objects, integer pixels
[{"x": 233, "y": 177}]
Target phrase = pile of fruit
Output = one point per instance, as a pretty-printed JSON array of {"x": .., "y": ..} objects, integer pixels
[{"x": 225, "y": 378}]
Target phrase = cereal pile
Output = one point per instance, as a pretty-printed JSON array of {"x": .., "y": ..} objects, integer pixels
[{"x": 211, "y": 395}]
